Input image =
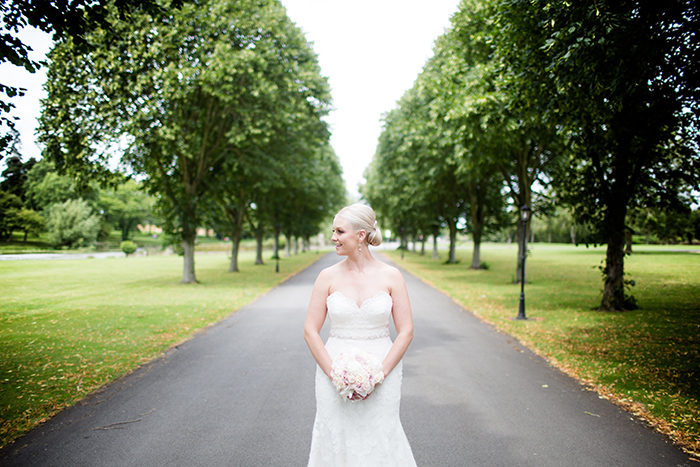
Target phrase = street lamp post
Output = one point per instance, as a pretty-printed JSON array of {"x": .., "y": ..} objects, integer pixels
[{"x": 525, "y": 214}]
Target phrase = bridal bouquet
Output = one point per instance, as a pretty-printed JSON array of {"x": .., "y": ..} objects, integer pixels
[{"x": 355, "y": 374}]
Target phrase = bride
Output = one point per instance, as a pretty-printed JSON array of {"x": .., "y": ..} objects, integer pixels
[{"x": 359, "y": 295}]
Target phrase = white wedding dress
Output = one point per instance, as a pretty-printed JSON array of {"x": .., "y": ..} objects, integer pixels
[{"x": 368, "y": 432}]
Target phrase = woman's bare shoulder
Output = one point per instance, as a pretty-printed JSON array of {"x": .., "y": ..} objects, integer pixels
[
  {"x": 330, "y": 272},
  {"x": 391, "y": 274},
  {"x": 325, "y": 279},
  {"x": 388, "y": 268}
]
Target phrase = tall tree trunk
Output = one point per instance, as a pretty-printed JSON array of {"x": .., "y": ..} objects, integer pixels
[
  {"x": 478, "y": 215},
  {"x": 422, "y": 245},
  {"x": 435, "y": 246},
  {"x": 614, "y": 287},
  {"x": 188, "y": 219},
  {"x": 476, "y": 257},
  {"x": 259, "y": 239},
  {"x": 288, "y": 246},
  {"x": 188, "y": 276},
  {"x": 276, "y": 244},
  {"x": 614, "y": 298},
  {"x": 452, "y": 225},
  {"x": 619, "y": 189},
  {"x": 476, "y": 252},
  {"x": 236, "y": 215},
  {"x": 403, "y": 242},
  {"x": 235, "y": 245},
  {"x": 524, "y": 174},
  {"x": 628, "y": 241}
]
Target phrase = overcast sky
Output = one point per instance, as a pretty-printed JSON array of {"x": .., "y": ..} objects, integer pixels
[{"x": 370, "y": 50}]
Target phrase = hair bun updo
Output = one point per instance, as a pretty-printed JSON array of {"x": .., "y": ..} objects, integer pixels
[{"x": 362, "y": 217}]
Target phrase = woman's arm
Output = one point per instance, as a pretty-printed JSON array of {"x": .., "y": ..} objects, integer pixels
[
  {"x": 403, "y": 321},
  {"x": 315, "y": 317}
]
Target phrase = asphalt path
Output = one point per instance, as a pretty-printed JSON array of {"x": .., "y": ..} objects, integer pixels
[{"x": 241, "y": 393}]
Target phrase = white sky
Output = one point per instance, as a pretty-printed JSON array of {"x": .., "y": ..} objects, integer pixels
[{"x": 370, "y": 50}]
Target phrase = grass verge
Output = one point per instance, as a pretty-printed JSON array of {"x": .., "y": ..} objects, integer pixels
[
  {"x": 40, "y": 244},
  {"x": 68, "y": 327},
  {"x": 647, "y": 360}
]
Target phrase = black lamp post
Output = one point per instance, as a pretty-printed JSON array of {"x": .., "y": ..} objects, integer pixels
[{"x": 525, "y": 215}]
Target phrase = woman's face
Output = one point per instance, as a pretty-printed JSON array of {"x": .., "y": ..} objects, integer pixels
[{"x": 346, "y": 239}]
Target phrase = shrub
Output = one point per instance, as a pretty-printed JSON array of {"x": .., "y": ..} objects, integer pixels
[
  {"x": 128, "y": 247},
  {"x": 71, "y": 224}
]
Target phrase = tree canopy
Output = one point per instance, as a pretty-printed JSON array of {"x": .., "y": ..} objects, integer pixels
[
  {"x": 622, "y": 79},
  {"x": 591, "y": 106},
  {"x": 71, "y": 20},
  {"x": 200, "y": 102}
]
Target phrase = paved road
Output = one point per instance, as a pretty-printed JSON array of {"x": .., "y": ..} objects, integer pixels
[{"x": 241, "y": 394}]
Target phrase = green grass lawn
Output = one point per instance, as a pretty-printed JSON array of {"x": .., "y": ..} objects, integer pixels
[
  {"x": 647, "y": 360},
  {"x": 68, "y": 327}
]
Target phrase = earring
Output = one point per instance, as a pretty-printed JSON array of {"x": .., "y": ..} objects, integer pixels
[{"x": 359, "y": 247}]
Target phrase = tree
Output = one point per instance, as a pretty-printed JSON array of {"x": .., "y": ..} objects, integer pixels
[
  {"x": 9, "y": 208},
  {"x": 395, "y": 187},
  {"x": 694, "y": 232},
  {"x": 317, "y": 190},
  {"x": 466, "y": 107},
  {"x": 44, "y": 187},
  {"x": 622, "y": 78},
  {"x": 272, "y": 185},
  {"x": 125, "y": 207},
  {"x": 412, "y": 180},
  {"x": 30, "y": 222},
  {"x": 441, "y": 144},
  {"x": 15, "y": 176},
  {"x": 226, "y": 213},
  {"x": 662, "y": 225},
  {"x": 13, "y": 195},
  {"x": 556, "y": 224},
  {"x": 71, "y": 224},
  {"x": 325, "y": 192},
  {"x": 503, "y": 150},
  {"x": 180, "y": 97},
  {"x": 438, "y": 158}
]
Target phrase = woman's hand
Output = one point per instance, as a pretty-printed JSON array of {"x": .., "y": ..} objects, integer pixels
[{"x": 357, "y": 397}]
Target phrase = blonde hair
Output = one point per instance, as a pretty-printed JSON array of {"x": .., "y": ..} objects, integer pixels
[{"x": 362, "y": 217}]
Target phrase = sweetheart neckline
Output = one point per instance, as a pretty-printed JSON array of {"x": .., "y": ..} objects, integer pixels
[{"x": 359, "y": 307}]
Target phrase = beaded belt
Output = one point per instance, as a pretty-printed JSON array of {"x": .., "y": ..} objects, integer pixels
[{"x": 358, "y": 335}]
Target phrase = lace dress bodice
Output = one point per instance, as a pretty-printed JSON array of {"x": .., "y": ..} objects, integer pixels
[
  {"x": 365, "y": 433},
  {"x": 370, "y": 320}
]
